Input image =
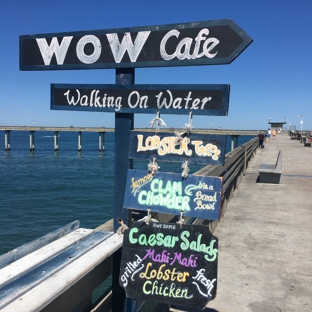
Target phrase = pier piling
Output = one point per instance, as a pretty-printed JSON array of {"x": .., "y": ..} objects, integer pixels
[
  {"x": 79, "y": 141},
  {"x": 31, "y": 140},
  {"x": 233, "y": 146},
  {"x": 101, "y": 141},
  {"x": 102, "y": 131},
  {"x": 55, "y": 140},
  {"x": 7, "y": 137}
]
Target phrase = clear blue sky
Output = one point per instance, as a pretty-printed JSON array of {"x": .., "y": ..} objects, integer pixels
[{"x": 272, "y": 78}]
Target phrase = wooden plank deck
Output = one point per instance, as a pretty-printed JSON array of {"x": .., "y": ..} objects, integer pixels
[{"x": 265, "y": 250}]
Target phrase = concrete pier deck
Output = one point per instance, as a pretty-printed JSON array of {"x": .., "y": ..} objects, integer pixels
[{"x": 265, "y": 247}]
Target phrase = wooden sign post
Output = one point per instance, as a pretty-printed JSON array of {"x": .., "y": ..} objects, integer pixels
[{"x": 201, "y": 43}]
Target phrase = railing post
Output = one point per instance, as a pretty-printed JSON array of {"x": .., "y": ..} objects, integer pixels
[{"x": 245, "y": 159}]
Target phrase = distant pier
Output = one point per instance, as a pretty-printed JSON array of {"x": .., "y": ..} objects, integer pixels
[{"x": 102, "y": 130}]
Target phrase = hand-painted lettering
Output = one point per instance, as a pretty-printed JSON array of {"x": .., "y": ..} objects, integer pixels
[
  {"x": 204, "y": 201},
  {"x": 60, "y": 50},
  {"x": 97, "y": 49},
  {"x": 185, "y": 261},
  {"x": 163, "y": 257},
  {"x": 163, "y": 274},
  {"x": 137, "y": 184},
  {"x": 175, "y": 262},
  {"x": 174, "y": 146},
  {"x": 183, "y": 48},
  {"x": 181, "y": 103},
  {"x": 168, "y": 195},
  {"x": 93, "y": 100},
  {"x": 203, "y": 47},
  {"x": 130, "y": 270},
  {"x": 119, "y": 49},
  {"x": 158, "y": 239},
  {"x": 210, "y": 251},
  {"x": 164, "y": 146},
  {"x": 201, "y": 280},
  {"x": 172, "y": 291}
]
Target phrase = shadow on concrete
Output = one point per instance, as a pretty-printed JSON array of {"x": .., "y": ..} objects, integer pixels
[{"x": 182, "y": 309}]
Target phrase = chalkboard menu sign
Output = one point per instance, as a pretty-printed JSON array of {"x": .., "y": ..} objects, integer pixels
[
  {"x": 197, "y": 196},
  {"x": 198, "y": 148},
  {"x": 170, "y": 263}
]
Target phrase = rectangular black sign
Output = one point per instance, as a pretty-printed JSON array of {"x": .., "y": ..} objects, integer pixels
[
  {"x": 169, "y": 263},
  {"x": 212, "y": 100},
  {"x": 196, "y": 148},
  {"x": 197, "y": 196},
  {"x": 199, "y": 43}
]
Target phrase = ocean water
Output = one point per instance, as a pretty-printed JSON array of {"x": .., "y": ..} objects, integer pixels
[{"x": 43, "y": 190}]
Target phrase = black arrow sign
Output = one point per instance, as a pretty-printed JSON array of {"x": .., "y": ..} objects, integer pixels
[{"x": 201, "y": 43}]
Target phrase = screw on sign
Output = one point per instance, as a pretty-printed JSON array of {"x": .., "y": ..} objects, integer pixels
[{"x": 169, "y": 263}]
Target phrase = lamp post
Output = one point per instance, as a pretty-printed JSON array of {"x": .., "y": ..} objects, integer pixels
[
  {"x": 301, "y": 122},
  {"x": 288, "y": 123}
]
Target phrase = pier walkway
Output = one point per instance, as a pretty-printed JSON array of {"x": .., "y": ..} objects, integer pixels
[{"x": 265, "y": 248}]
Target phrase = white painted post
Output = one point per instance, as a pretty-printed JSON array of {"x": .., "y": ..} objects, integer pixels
[
  {"x": 55, "y": 140},
  {"x": 31, "y": 140},
  {"x": 101, "y": 141},
  {"x": 79, "y": 141},
  {"x": 232, "y": 141},
  {"x": 7, "y": 144}
]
